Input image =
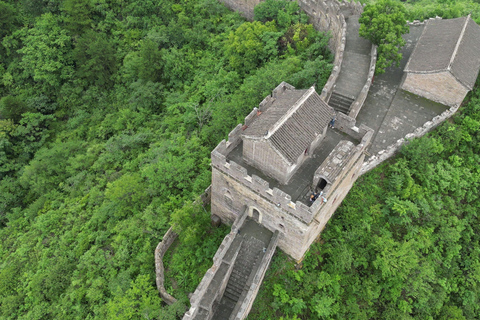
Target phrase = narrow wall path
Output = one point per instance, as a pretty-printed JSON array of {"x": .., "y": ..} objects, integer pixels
[{"x": 355, "y": 67}]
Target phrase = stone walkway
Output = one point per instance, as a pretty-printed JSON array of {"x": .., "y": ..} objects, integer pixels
[
  {"x": 392, "y": 112},
  {"x": 354, "y": 69},
  {"x": 255, "y": 239}
]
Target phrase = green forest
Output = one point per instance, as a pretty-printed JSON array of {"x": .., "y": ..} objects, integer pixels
[{"x": 108, "y": 113}]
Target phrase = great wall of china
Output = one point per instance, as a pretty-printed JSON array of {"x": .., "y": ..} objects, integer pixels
[{"x": 377, "y": 117}]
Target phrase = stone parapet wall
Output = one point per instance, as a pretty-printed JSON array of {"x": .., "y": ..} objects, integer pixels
[
  {"x": 248, "y": 297},
  {"x": 359, "y": 101},
  {"x": 347, "y": 124},
  {"x": 418, "y": 22},
  {"x": 333, "y": 22},
  {"x": 261, "y": 186},
  {"x": 244, "y": 7},
  {"x": 388, "y": 152},
  {"x": 206, "y": 196},
  {"x": 213, "y": 282},
  {"x": 162, "y": 247},
  {"x": 326, "y": 16}
]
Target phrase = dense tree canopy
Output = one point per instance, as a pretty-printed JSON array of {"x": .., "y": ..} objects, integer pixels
[
  {"x": 383, "y": 23},
  {"x": 108, "y": 113}
]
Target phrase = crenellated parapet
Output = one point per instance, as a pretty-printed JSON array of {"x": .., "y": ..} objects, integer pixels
[
  {"x": 276, "y": 196},
  {"x": 389, "y": 151},
  {"x": 359, "y": 101}
]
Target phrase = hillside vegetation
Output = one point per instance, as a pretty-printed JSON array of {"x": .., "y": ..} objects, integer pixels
[{"x": 108, "y": 113}]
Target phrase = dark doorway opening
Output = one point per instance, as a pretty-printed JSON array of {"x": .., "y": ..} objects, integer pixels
[
  {"x": 321, "y": 184},
  {"x": 256, "y": 215}
]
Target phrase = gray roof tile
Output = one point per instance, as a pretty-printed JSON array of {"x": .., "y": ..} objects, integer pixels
[
  {"x": 467, "y": 60},
  {"x": 268, "y": 118},
  {"x": 293, "y": 135},
  {"x": 436, "y": 45},
  {"x": 442, "y": 46}
]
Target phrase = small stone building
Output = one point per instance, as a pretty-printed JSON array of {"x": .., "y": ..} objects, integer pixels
[
  {"x": 291, "y": 126},
  {"x": 285, "y": 150},
  {"x": 445, "y": 62}
]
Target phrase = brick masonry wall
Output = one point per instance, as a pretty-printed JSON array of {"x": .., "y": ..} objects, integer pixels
[
  {"x": 260, "y": 154},
  {"x": 228, "y": 197},
  {"x": 162, "y": 247},
  {"x": 244, "y": 7},
  {"x": 441, "y": 87}
]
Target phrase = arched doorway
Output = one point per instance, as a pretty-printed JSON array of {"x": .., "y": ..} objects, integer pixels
[
  {"x": 255, "y": 214},
  {"x": 321, "y": 184}
]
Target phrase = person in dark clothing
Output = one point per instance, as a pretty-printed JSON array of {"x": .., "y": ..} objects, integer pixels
[{"x": 332, "y": 123}]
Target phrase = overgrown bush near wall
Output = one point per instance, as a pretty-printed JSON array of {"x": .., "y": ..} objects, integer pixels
[
  {"x": 424, "y": 9},
  {"x": 191, "y": 254}
]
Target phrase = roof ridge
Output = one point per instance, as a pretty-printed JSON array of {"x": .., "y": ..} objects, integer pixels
[
  {"x": 460, "y": 38},
  {"x": 406, "y": 69},
  {"x": 290, "y": 111}
]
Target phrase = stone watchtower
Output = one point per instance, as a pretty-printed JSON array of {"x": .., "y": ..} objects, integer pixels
[
  {"x": 291, "y": 126},
  {"x": 445, "y": 62},
  {"x": 284, "y": 152}
]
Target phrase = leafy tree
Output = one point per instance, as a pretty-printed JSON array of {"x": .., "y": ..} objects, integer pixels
[
  {"x": 383, "y": 23},
  {"x": 245, "y": 47},
  {"x": 78, "y": 15},
  {"x": 46, "y": 53},
  {"x": 12, "y": 108},
  {"x": 283, "y": 12},
  {"x": 8, "y": 22},
  {"x": 95, "y": 59}
]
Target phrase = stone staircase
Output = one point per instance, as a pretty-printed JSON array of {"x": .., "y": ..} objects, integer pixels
[
  {"x": 354, "y": 70},
  {"x": 340, "y": 102},
  {"x": 246, "y": 262}
]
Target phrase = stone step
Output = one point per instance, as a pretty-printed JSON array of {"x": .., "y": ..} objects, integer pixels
[
  {"x": 238, "y": 284},
  {"x": 233, "y": 297},
  {"x": 342, "y": 98},
  {"x": 340, "y": 102},
  {"x": 236, "y": 287},
  {"x": 239, "y": 274},
  {"x": 340, "y": 108},
  {"x": 234, "y": 291}
]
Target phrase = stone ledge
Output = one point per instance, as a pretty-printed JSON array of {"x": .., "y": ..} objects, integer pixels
[{"x": 162, "y": 247}]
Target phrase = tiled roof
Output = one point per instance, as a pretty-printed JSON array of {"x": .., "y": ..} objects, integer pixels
[
  {"x": 451, "y": 44},
  {"x": 467, "y": 60},
  {"x": 298, "y": 126},
  {"x": 268, "y": 118}
]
